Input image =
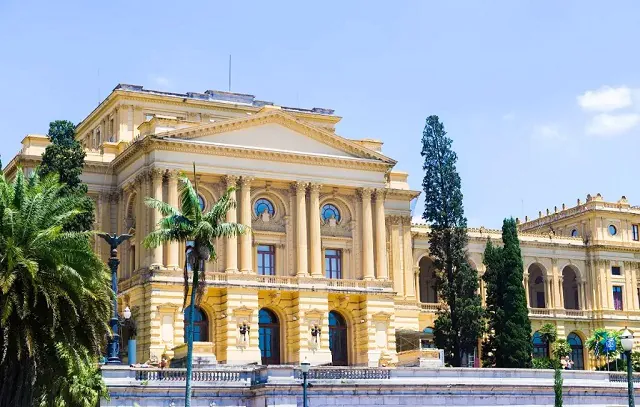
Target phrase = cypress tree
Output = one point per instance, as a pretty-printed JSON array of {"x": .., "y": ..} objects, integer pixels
[
  {"x": 507, "y": 312},
  {"x": 459, "y": 325},
  {"x": 65, "y": 156},
  {"x": 493, "y": 264}
]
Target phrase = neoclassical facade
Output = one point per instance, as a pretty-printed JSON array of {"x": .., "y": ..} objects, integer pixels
[{"x": 333, "y": 270}]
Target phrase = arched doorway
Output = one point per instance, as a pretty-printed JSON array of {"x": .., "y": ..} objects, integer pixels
[
  {"x": 577, "y": 351},
  {"x": 427, "y": 280},
  {"x": 269, "y": 337},
  {"x": 338, "y": 339},
  {"x": 540, "y": 347},
  {"x": 200, "y": 325},
  {"x": 570, "y": 288},
  {"x": 537, "y": 294}
]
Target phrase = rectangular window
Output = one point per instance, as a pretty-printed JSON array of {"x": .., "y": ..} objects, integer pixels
[
  {"x": 615, "y": 270},
  {"x": 266, "y": 260},
  {"x": 634, "y": 233},
  {"x": 333, "y": 263},
  {"x": 617, "y": 297}
]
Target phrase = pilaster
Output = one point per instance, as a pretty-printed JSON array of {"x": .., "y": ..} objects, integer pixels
[
  {"x": 315, "y": 249},
  {"x": 173, "y": 251},
  {"x": 156, "y": 180},
  {"x": 381, "y": 237},
  {"x": 367, "y": 235},
  {"x": 231, "y": 243},
  {"x": 246, "y": 261},
  {"x": 301, "y": 229}
]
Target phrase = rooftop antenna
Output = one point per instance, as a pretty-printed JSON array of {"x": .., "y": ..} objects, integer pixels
[{"x": 229, "y": 72}]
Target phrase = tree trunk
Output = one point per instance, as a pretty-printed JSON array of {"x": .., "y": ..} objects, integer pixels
[{"x": 192, "y": 304}]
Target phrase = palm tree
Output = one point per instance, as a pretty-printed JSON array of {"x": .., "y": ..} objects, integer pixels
[
  {"x": 188, "y": 223},
  {"x": 55, "y": 299}
]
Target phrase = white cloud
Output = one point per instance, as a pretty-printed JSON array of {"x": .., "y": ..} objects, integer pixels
[
  {"x": 547, "y": 132},
  {"x": 161, "y": 81},
  {"x": 605, "y": 99},
  {"x": 418, "y": 220},
  {"x": 612, "y": 124}
]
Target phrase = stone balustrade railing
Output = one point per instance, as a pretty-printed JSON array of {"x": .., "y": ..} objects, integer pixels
[{"x": 247, "y": 376}]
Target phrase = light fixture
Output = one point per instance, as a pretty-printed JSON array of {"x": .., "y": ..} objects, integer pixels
[
  {"x": 305, "y": 365},
  {"x": 126, "y": 313},
  {"x": 626, "y": 339}
]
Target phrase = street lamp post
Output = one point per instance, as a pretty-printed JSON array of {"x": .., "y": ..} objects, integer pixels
[
  {"x": 304, "y": 366},
  {"x": 113, "y": 346},
  {"x": 626, "y": 340}
]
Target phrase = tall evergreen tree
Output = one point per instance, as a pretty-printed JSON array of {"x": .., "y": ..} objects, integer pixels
[
  {"x": 65, "y": 156},
  {"x": 509, "y": 325},
  {"x": 459, "y": 325}
]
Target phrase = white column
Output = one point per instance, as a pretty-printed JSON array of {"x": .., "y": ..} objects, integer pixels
[
  {"x": 139, "y": 224},
  {"x": 526, "y": 288},
  {"x": 367, "y": 235},
  {"x": 232, "y": 242},
  {"x": 315, "y": 250},
  {"x": 156, "y": 179},
  {"x": 301, "y": 229},
  {"x": 381, "y": 237},
  {"x": 246, "y": 261},
  {"x": 173, "y": 253}
]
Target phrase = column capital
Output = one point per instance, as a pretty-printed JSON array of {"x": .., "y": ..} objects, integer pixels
[
  {"x": 380, "y": 193},
  {"x": 173, "y": 173},
  {"x": 365, "y": 193},
  {"x": 300, "y": 186},
  {"x": 157, "y": 173},
  {"x": 246, "y": 181},
  {"x": 315, "y": 187},
  {"x": 231, "y": 180}
]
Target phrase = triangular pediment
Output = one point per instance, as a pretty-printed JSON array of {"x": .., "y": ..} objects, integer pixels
[{"x": 276, "y": 131}]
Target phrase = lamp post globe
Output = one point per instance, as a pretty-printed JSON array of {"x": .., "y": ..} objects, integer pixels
[
  {"x": 626, "y": 340},
  {"x": 126, "y": 313}
]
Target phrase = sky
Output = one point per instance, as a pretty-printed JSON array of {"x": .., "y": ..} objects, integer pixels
[{"x": 541, "y": 98}]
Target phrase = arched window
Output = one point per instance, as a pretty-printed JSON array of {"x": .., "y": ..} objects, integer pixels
[
  {"x": 338, "y": 339},
  {"x": 574, "y": 233},
  {"x": 330, "y": 211},
  {"x": 540, "y": 347},
  {"x": 201, "y": 202},
  {"x": 200, "y": 325},
  {"x": 269, "y": 337},
  {"x": 263, "y": 205},
  {"x": 577, "y": 351}
]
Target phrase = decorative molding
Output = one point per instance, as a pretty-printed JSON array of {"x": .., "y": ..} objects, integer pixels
[{"x": 285, "y": 120}]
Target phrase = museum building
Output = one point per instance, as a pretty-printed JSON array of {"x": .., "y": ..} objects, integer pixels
[{"x": 333, "y": 270}]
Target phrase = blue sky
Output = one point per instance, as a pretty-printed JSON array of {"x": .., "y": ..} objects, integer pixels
[{"x": 541, "y": 98}]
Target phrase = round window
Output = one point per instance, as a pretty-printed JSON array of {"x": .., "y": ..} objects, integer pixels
[
  {"x": 330, "y": 212},
  {"x": 263, "y": 205},
  {"x": 612, "y": 230},
  {"x": 201, "y": 202},
  {"x": 574, "y": 233}
]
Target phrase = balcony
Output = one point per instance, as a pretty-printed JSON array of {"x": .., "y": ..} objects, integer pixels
[{"x": 215, "y": 279}]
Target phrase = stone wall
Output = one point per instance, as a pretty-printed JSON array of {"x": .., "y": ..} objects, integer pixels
[{"x": 331, "y": 386}]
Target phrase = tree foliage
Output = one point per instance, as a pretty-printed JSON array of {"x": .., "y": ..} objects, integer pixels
[
  {"x": 509, "y": 341},
  {"x": 189, "y": 223},
  {"x": 65, "y": 157},
  {"x": 459, "y": 325},
  {"x": 55, "y": 299}
]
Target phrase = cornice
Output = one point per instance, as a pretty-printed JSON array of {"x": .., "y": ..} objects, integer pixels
[
  {"x": 285, "y": 119},
  {"x": 121, "y": 95},
  {"x": 149, "y": 143},
  {"x": 392, "y": 193}
]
